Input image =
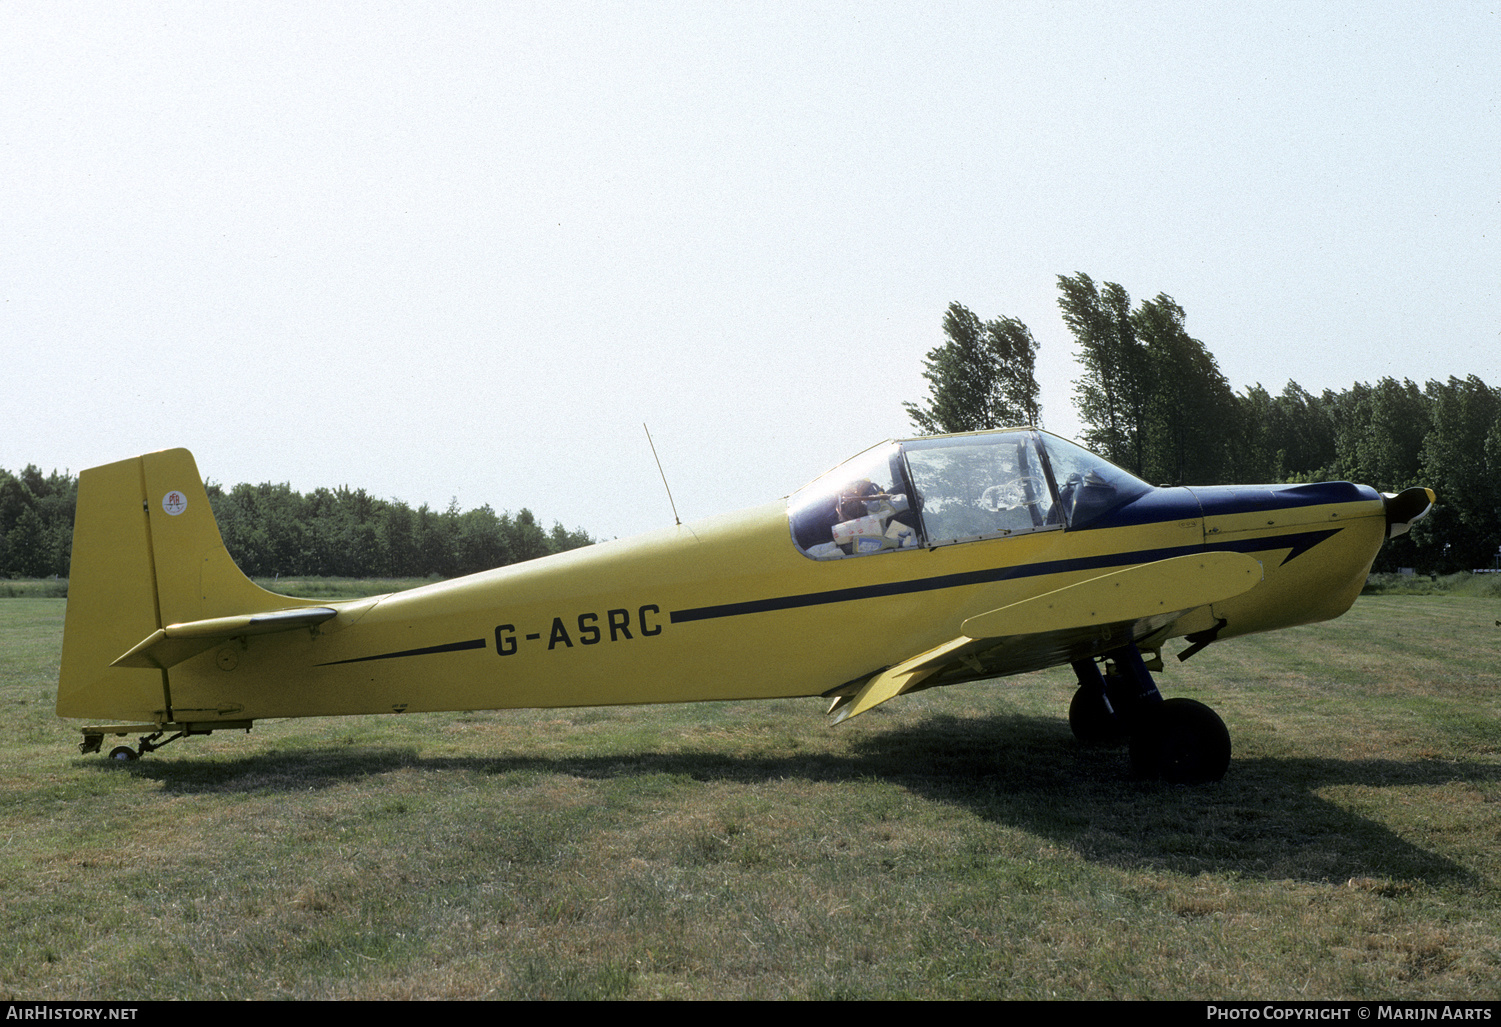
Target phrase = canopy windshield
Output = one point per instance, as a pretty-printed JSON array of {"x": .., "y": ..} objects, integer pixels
[
  {"x": 954, "y": 488},
  {"x": 861, "y": 507},
  {"x": 1089, "y": 486}
]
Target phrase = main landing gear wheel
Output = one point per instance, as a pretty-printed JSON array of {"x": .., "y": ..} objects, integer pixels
[
  {"x": 1092, "y": 720},
  {"x": 123, "y": 753},
  {"x": 1181, "y": 741}
]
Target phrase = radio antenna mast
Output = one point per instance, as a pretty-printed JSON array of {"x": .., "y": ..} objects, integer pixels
[{"x": 663, "y": 473}]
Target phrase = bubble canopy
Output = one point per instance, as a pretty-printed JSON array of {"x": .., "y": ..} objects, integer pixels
[{"x": 948, "y": 489}]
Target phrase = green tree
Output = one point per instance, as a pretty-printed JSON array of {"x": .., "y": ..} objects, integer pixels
[
  {"x": 524, "y": 536},
  {"x": 1189, "y": 404},
  {"x": 1252, "y": 457},
  {"x": 1464, "y": 529},
  {"x": 433, "y": 537},
  {"x": 28, "y": 546},
  {"x": 1113, "y": 394},
  {"x": 1301, "y": 434},
  {"x": 983, "y": 376},
  {"x": 265, "y": 527},
  {"x": 479, "y": 543},
  {"x": 1379, "y": 434},
  {"x": 36, "y": 522},
  {"x": 342, "y": 533},
  {"x": 397, "y": 534},
  {"x": 561, "y": 540},
  {"x": 1152, "y": 397},
  {"x": 271, "y": 529}
]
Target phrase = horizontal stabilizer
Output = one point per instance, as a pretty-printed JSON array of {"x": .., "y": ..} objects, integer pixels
[
  {"x": 169, "y": 646},
  {"x": 1075, "y": 617}
]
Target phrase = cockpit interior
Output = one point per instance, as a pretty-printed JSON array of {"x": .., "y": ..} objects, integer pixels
[{"x": 942, "y": 490}]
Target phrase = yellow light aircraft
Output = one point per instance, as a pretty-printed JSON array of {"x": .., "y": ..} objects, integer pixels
[{"x": 920, "y": 562}]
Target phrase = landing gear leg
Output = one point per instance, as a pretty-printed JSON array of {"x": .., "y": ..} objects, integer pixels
[
  {"x": 1107, "y": 707},
  {"x": 1093, "y": 718},
  {"x": 1178, "y": 740}
]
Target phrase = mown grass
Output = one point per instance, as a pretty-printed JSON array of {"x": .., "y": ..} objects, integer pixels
[
  {"x": 1463, "y": 583},
  {"x": 340, "y": 588},
  {"x": 954, "y": 843},
  {"x": 33, "y": 588}
]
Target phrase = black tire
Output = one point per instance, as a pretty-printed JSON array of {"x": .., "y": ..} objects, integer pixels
[
  {"x": 1091, "y": 720},
  {"x": 1183, "y": 742},
  {"x": 123, "y": 753}
]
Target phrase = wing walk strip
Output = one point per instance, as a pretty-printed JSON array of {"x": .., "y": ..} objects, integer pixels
[{"x": 1297, "y": 544}]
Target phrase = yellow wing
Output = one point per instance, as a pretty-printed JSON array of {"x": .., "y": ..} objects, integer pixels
[{"x": 1069, "y": 624}]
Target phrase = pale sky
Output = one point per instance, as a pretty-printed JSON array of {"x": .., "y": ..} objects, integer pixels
[{"x": 464, "y": 250}]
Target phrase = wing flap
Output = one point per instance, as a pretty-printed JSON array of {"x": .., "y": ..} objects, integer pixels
[{"x": 1072, "y": 622}]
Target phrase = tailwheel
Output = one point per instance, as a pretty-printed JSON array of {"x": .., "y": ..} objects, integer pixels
[
  {"x": 1181, "y": 741},
  {"x": 147, "y": 743},
  {"x": 1092, "y": 719}
]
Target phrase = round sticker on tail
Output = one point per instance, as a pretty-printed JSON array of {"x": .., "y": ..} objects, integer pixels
[{"x": 174, "y": 503}]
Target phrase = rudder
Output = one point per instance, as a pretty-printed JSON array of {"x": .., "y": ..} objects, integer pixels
[{"x": 147, "y": 553}]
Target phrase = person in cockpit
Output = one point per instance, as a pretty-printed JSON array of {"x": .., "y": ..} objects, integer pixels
[{"x": 869, "y": 520}]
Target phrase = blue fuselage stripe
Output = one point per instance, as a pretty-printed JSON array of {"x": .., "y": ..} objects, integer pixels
[
  {"x": 447, "y": 647},
  {"x": 1298, "y": 543}
]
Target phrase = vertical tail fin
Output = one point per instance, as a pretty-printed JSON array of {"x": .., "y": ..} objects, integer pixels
[{"x": 146, "y": 554}]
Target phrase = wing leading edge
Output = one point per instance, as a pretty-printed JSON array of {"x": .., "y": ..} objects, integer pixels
[{"x": 1073, "y": 622}]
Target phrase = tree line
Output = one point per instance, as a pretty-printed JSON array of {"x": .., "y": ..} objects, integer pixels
[
  {"x": 36, "y": 523},
  {"x": 274, "y": 530},
  {"x": 1153, "y": 400}
]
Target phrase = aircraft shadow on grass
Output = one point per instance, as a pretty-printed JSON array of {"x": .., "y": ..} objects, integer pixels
[{"x": 1265, "y": 820}]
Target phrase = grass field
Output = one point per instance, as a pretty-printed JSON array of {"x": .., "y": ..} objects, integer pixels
[{"x": 955, "y": 843}]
